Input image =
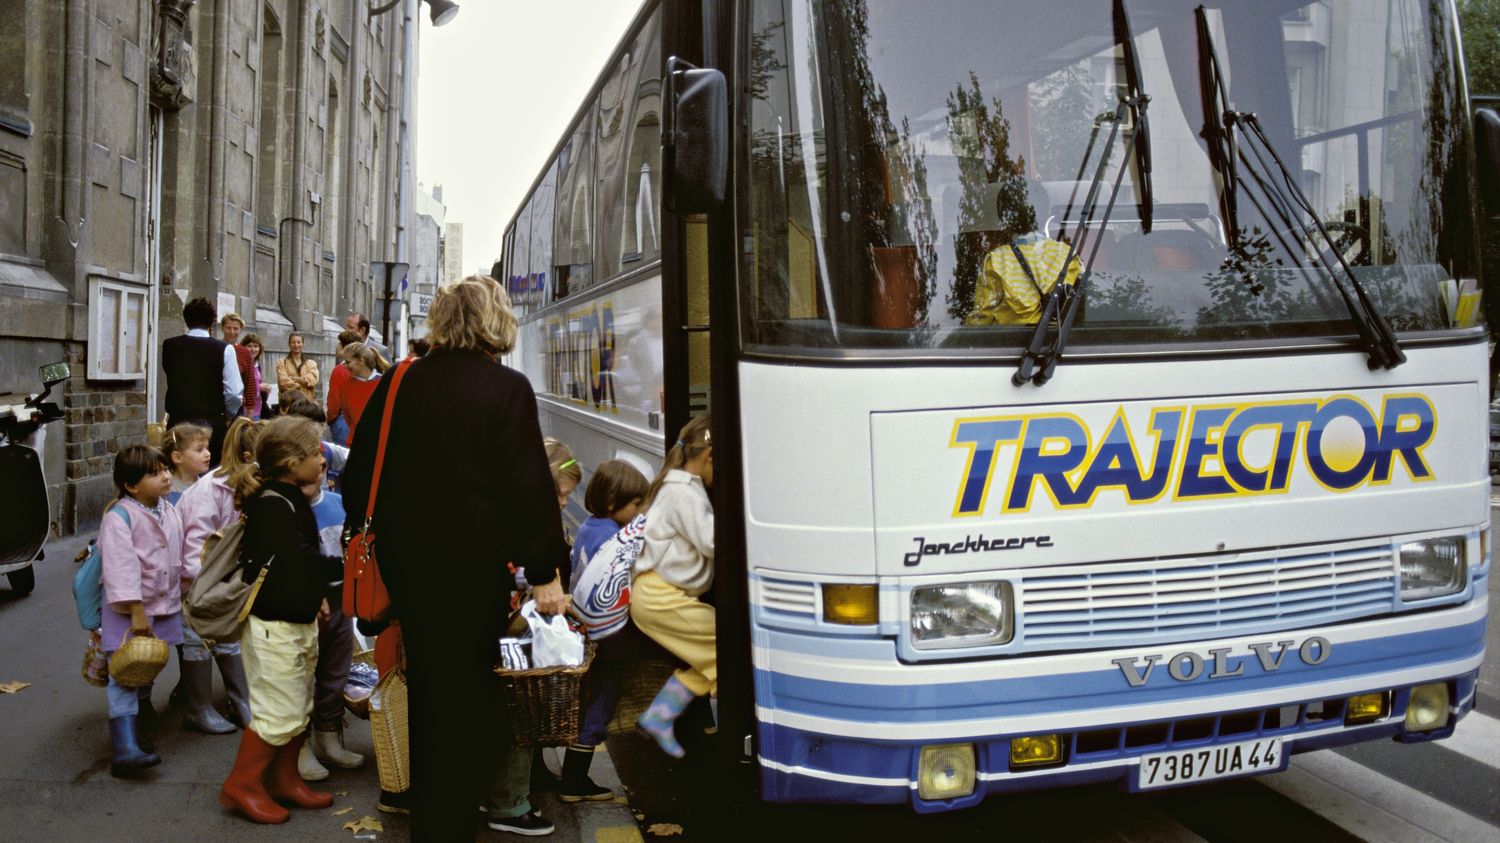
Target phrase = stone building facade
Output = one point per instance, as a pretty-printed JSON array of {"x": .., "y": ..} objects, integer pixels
[{"x": 152, "y": 151}]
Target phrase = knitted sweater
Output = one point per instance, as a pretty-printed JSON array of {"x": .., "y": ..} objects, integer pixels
[{"x": 680, "y": 534}]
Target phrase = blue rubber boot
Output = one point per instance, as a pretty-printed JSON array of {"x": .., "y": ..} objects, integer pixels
[
  {"x": 662, "y": 714},
  {"x": 128, "y": 758}
]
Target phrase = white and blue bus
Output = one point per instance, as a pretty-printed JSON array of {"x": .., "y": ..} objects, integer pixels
[{"x": 1099, "y": 386}]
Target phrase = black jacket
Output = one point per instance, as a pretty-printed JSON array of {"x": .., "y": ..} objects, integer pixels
[
  {"x": 465, "y": 487},
  {"x": 300, "y": 575},
  {"x": 195, "y": 378}
]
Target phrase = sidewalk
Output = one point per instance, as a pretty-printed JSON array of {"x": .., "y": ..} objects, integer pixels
[{"x": 54, "y": 751}]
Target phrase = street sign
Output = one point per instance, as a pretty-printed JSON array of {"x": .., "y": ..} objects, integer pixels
[{"x": 420, "y": 303}]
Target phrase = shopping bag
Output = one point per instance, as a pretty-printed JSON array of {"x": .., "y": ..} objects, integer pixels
[
  {"x": 554, "y": 643},
  {"x": 601, "y": 597}
]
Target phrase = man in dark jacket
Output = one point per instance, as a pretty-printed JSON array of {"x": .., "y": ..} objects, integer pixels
[{"x": 203, "y": 376}]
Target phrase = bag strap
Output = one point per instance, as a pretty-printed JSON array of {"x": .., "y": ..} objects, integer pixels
[{"x": 385, "y": 433}]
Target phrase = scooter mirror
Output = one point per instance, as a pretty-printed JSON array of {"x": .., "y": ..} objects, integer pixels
[{"x": 55, "y": 373}]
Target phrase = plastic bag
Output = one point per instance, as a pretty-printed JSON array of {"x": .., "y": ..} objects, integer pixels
[{"x": 553, "y": 644}]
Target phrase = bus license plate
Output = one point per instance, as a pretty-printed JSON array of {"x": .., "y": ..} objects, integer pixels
[{"x": 1169, "y": 769}]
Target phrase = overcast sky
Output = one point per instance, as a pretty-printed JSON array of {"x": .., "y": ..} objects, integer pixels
[{"x": 495, "y": 90}]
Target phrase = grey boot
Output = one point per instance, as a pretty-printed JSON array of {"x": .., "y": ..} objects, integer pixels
[
  {"x": 233, "y": 671},
  {"x": 198, "y": 679}
]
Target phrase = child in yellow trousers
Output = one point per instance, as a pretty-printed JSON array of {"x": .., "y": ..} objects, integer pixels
[{"x": 676, "y": 567}]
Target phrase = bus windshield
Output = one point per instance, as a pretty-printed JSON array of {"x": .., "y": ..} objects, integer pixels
[{"x": 917, "y": 175}]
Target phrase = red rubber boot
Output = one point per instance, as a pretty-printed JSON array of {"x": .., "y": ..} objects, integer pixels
[
  {"x": 286, "y": 785},
  {"x": 245, "y": 789}
]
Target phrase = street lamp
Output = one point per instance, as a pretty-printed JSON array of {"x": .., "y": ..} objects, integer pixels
[{"x": 442, "y": 12}]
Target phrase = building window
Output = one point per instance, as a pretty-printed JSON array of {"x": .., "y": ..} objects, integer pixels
[{"x": 119, "y": 334}]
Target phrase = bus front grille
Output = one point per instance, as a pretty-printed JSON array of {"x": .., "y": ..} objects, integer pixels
[{"x": 1141, "y": 603}]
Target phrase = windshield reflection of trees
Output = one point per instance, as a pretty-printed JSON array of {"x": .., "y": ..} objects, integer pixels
[{"x": 882, "y": 233}]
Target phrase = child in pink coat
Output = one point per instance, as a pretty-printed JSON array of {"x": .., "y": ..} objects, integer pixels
[{"x": 140, "y": 545}]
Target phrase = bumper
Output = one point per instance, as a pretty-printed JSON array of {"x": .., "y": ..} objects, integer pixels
[
  {"x": 18, "y": 566},
  {"x": 831, "y": 732}
]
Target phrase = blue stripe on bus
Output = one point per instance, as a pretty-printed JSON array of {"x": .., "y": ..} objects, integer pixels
[{"x": 996, "y": 698}]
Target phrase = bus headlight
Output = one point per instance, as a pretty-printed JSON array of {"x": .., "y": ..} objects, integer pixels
[
  {"x": 1432, "y": 567},
  {"x": 961, "y": 615}
]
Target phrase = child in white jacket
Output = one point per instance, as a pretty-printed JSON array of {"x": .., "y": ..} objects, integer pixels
[{"x": 674, "y": 569}]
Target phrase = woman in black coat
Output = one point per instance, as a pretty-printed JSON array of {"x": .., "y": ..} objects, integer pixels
[{"x": 465, "y": 489}]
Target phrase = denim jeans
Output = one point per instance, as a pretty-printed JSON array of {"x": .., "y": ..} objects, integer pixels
[
  {"x": 194, "y": 650},
  {"x": 125, "y": 702}
]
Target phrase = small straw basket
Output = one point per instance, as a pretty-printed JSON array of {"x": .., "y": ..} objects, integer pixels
[
  {"x": 388, "y": 729},
  {"x": 138, "y": 661},
  {"x": 543, "y": 702}
]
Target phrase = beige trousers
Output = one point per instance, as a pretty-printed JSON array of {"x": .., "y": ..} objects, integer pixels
[
  {"x": 280, "y": 660},
  {"x": 685, "y": 625}
]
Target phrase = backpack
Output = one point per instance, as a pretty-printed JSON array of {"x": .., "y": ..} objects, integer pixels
[
  {"x": 219, "y": 601},
  {"x": 88, "y": 580},
  {"x": 601, "y": 598}
]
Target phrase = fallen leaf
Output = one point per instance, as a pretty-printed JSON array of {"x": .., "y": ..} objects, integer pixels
[
  {"x": 12, "y": 687},
  {"x": 639, "y": 816},
  {"x": 664, "y": 829},
  {"x": 341, "y": 793},
  {"x": 342, "y": 811},
  {"x": 620, "y": 800},
  {"x": 364, "y": 824}
]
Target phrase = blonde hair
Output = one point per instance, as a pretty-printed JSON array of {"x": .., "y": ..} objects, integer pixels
[
  {"x": 283, "y": 442},
  {"x": 361, "y": 352},
  {"x": 561, "y": 463},
  {"x": 180, "y": 437},
  {"x": 694, "y": 438},
  {"x": 231, "y": 317},
  {"x": 472, "y": 315},
  {"x": 239, "y": 440}
]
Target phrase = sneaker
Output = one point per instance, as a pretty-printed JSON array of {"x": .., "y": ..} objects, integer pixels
[
  {"x": 394, "y": 803},
  {"x": 529, "y": 824}
]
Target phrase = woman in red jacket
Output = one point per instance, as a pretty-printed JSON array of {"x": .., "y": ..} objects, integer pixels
[{"x": 353, "y": 393}]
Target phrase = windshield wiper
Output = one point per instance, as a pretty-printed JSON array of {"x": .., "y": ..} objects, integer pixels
[
  {"x": 1286, "y": 200},
  {"x": 1040, "y": 358}
]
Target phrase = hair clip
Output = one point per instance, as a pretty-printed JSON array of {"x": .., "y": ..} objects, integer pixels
[
  {"x": 681, "y": 444},
  {"x": 563, "y": 465}
]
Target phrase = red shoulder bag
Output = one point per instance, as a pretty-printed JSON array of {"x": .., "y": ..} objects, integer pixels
[{"x": 365, "y": 595}]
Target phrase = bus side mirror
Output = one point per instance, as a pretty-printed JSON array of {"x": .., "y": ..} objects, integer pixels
[
  {"x": 1487, "y": 151},
  {"x": 698, "y": 137}
]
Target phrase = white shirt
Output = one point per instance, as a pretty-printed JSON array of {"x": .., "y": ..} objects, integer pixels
[{"x": 234, "y": 385}]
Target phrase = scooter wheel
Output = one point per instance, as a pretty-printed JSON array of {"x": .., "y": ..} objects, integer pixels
[{"x": 22, "y": 582}]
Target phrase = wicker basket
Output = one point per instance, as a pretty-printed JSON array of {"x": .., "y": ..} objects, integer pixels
[
  {"x": 138, "y": 660},
  {"x": 388, "y": 729},
  {"x": 360, "y": 706},
  {"x": 543, "y": 702}
]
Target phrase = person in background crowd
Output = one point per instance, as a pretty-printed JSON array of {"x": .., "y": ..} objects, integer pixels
[
  {"x": 338, "y": 424},
  {"x": 295, "y": 374},
  {"x": 231, "y": 326},
  {"x": 335, "y": 453},
  {"x": 281, "y": 634},
  {"x": 613, "y": 498},
  {"x": 360, "y": 324},
  {"x": 203, "y": 376},
  {"x": 186, "y": 448},
  {"x": 676, "y": 566},
  {"x": 443, "y": 556},
  {"x": 140, "y": 544},
  {"x": 206, "y": 507},
  {"x": 262, "y": 388},
  {"x": 335, "y": 635},
  {"x": 418, "y": 347},
  {"x": 354, "y": 392}
]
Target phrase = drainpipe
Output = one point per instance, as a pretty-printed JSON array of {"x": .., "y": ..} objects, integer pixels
[
  {"x": 215, "y": 231},
  {"x": 76, "y": 89}
]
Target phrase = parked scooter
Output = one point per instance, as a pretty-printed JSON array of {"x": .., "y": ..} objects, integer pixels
[{"x": 27, "y": 520}]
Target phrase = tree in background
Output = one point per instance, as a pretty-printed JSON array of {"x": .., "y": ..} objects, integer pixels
[{"x": 1480, "y": 20}]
